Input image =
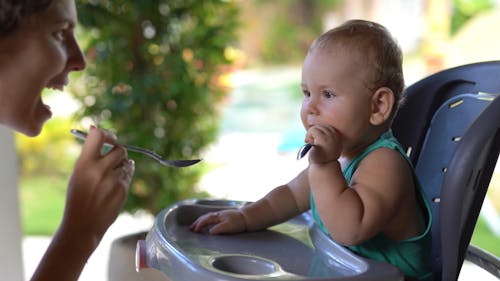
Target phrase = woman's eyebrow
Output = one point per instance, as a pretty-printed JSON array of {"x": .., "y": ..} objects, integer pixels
[
  {"x": 66, "y": 21},
  {"x": 64, "y": 24}
]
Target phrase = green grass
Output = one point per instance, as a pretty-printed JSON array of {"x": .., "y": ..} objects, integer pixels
[
  {"x": 484, "y": 238},
  {"x": 42, "y": 204}
]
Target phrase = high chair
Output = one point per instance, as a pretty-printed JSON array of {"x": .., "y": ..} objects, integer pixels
[{"x": 450, "y": 128}]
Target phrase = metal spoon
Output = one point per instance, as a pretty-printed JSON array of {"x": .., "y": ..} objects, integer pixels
[
  {"x": 303, "y": 150},
  {"x": 172, "y": 163}
]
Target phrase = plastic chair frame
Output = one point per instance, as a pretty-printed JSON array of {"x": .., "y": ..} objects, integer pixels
[{"x": 471, "y": 166}]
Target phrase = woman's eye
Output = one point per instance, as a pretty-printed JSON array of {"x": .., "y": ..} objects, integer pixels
[
  {"x": 62, "y": 33},
  {"x": 59, "y": 35}
]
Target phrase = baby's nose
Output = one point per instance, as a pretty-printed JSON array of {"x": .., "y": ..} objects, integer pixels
[{"x": 312, "y": 106}]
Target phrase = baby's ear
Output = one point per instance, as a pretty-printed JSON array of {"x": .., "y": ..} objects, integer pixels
[{"x": 382, "y": 104}]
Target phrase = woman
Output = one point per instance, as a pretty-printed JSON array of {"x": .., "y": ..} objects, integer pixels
[{"x": 38, "y": 50}]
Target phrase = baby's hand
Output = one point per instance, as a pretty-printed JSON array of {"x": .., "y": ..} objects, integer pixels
[
  {"x": 327, "y": 145},
  {"x": 227, "y": 221}
]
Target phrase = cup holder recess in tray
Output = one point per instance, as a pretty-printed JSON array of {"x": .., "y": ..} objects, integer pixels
[{"x": 244, "y": 265}]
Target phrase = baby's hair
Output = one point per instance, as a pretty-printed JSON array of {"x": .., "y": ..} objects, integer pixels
[
  {"x": 13, "y": 12},
  {"x": 380, "y": 49}
]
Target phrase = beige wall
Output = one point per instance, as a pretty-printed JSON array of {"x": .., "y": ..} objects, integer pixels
[{"x": 11, "y": 267}]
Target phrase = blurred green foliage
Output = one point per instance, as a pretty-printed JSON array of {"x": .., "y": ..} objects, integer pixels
[
  {"x": 463, "y": 10},
  {"x": 52, "y": 153},
  {"x": 291, "y": 32},
  {"x": 154, "y": 77},
  {"x": 43, "y": 204}
]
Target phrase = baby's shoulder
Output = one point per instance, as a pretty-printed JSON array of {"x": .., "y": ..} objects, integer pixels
[{"x": 385, "y": 164}]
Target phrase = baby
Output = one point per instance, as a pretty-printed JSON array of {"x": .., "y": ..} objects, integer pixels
[{"x": 359, "y": 185}]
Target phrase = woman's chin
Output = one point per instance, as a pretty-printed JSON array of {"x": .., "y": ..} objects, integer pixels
[
  {"x": 32, "y": 130},
  {"x": 34, "y": 126}
]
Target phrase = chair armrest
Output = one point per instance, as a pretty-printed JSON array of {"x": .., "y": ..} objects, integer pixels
[{"x": 483, "y": 259}]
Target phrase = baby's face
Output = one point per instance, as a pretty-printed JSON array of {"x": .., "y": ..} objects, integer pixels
[{"x": 335, "y": 93}]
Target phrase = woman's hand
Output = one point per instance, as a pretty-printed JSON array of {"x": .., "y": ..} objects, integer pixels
[
  {"x": 227, "y": 221},
  {"x": 96, "y": 193},
  {"x": 327, "y": 145},
  {"x": 98, "y": 187}
]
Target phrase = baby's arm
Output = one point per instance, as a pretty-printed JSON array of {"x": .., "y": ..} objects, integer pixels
[
  {"x": 279, "y": 205},
  {"x": 379, "y": 187}
]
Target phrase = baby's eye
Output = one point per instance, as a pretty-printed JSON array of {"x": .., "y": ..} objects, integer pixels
[
  {"x": 306, "y": 93},
  {"x": 328, "y": 94}
]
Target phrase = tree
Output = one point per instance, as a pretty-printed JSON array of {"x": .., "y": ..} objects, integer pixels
[
  {"x": 463, "y": 10},
  {"x": 290, "y": 31},
  {"x": 153, "y": 77}
]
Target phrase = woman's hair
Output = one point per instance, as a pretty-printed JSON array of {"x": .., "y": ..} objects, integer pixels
[
  {"x": 380, "y": 50},
  {"x": 13, "y": 12}
]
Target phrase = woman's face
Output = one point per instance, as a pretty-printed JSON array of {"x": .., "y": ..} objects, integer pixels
[{"x": 39, "y": 54}]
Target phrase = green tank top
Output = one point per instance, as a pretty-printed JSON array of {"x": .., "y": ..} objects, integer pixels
[{"x": 413, "y": 255}]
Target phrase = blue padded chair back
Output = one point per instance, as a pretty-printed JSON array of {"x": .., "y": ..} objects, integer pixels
[
  {"x": 438, "y": 111},
  {"x": 464, "y": 187},
  {"x": 445, "y": 132}
]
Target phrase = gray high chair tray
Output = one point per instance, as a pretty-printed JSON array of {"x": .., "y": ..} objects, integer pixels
[{"x": 294, "y": 250}]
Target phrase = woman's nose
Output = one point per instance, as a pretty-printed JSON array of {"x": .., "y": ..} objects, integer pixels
[{"x": 76, "y": 59}]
